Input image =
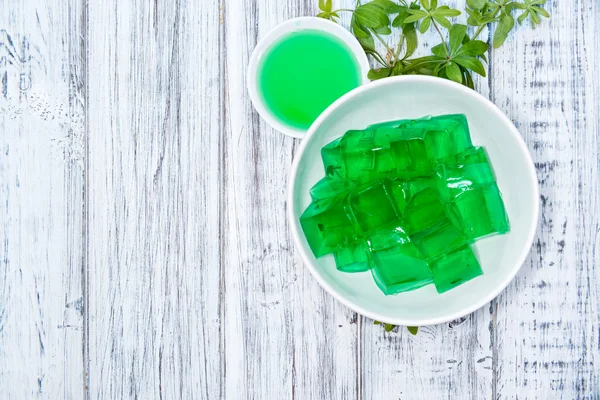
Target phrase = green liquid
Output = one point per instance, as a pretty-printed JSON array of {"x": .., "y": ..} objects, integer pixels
[{"x": 303, "y": 73}]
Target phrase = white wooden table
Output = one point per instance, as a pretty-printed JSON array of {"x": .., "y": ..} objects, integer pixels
[{"x": 144, "y": 248}]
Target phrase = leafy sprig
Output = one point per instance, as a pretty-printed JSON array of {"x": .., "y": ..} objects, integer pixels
[{"x": 457, "y": 57}]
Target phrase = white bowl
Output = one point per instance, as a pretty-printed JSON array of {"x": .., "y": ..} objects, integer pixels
[
  {"x": 500, "y": 256},
  {"x": 292, "y": 25}
]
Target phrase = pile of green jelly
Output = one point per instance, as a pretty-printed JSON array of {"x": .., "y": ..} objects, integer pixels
[{"x": 405, "y": 200}]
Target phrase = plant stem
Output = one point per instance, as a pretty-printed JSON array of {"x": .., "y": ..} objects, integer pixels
[
  {"x": 400, "y": 43},
  {"x": 480, "y": 29},
  {"x": 441, "y": 36},
  {"x": 344, "y": 9},
  {"x": 382, "y": 42}
]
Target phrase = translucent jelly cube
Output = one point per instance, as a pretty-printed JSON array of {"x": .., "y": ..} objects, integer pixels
[
  {"x": 397, "y": 264},
  {"x": 438, "y": 240},
  {"x": 423, "y": 211},
  {"x": 472, "y": 155},
  {"x": 374, "y": 207},
  {"x": 479, "y": 212},
  {"x": 354, "y": 258},
  {"x": 328, "y": 188},
  {"x": 360, "y": 155},
  {"x": 410, "y": 158},
  {"x": 400, "y": 194},
  {"x": 455, "y": 268},
  {"x": 455, "y": 179},
  {"x": 328, "y": 226}
]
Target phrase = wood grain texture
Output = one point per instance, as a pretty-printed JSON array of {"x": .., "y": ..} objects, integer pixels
[
  {"x": 144, "y": 246},
  {"x": 547, "y": 321},
  {"x": 155, "y": 150},
  {"x": 285, "y": 337},
  {"x": 41, "y": 199}
]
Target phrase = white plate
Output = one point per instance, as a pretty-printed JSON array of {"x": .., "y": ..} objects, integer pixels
[
  {"x": 500, "y": 256},
  {"x": 293, "y": 25}
]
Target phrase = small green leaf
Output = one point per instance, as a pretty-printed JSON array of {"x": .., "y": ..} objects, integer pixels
[
  {"x": 425, "y": 24},
  {"x": 376, "y": 323},
  {"x": 425, "y": 4},
  {"x": 443, "y": 21},
  {"x": 522, "y": 17},
  {"x": 440, "y": 50},
  {"x": 389, "y": 327},
  {"x": 541, "y": 11},
  {"x": 457, "y": 34},
  {"x": 507, "y": 22},
  {"x": 358, "y": 30},
  {"x": 388, "y": 6},
  {"x": 371, "y": 16},
  {"x": 446, "y": 11},
  {"x": 413, "y": 329},
  {"x": 328, "y": 5},
  {"x": 323, "y": 15},
  {"x": 384, "y": 30},
  {"x": 476, "y": 4},
  {"x": 322, "y": 5},
  {"x": 473, "y": 48},
  {"x": 368, "y": 43},
  {"x": 471, "y": 63},
  {"x": 453, "y": 72},
  {"x": 412, "y": 41},
  {"x": 398, "y": 69},
  {"x": 379, "y": 73},
  {"x": 469, "y": 79}
]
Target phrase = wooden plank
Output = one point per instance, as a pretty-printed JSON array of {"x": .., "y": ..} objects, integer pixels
[
  {"x": 42, "y": 95},
  {"x": 452, "y": 360},
  {"x": 547, "y": 324},
  {"x": 155, "y": 178},
  {"x": 285, "y": 337}
]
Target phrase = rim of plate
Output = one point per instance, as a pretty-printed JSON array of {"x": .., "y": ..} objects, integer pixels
[
  {"x": 357, "y": 307},
  {"x": 293, "y": 25}
]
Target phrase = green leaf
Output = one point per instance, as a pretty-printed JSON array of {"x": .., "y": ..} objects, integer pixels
[
  {"x": 399, "y": 20},
  {"x": 469, "y": 79},
  {"x": 446, "y": 11},
  {"x": 425, "y": 4},
  {"x": 389, "y": 327},
  {"x": 415, "y": 15},
  {"x": 443, "y": 21},
  {"x": 376, "y": 323},
  {"x": 471, "y": 63},
  {"x": 388, "y": 6},
  {"x": 425, "y": 24},
  {"x": 384, "y": 30},
  {"x": 412, "y": 41},
  {"x": 473, "y": 48},
  {"x": 323, "y": 15},
  {"x": 328, "y": 5},
  {"x": 379, "y": 73},
  {"x": 413, "y": 329},
  {"x": 453, "y": 72},
  {"x": 322, "y": 5},
  {"x": 371, "y": 16},
  {"x": 457, "y": 34},
  {"x": 358, "y": 30},
  {"x": 523, "y": 16},
  {"x": 368, "y": 43},
  {"x": 541, "y": 11},
  {"x": 440, "y": 50},
  {"x": 476, "y": 4},
  {"x": 507, "y": 22}
]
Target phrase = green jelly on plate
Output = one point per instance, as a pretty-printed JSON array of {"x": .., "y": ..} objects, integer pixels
[
  {"x": 397, "y": 264},
  {"x": 328, "y": 188},
  {"x": 328, "y": 226},
  {"x": 423, "y": 211},
  {"x": 438, "y": 240},
  {"x": 455, "y": 268},
  {"x": 480, "y": 212},
  {"x": 455, "y": 179},
  {"x": 354, "y": 258},
  {"x": 374, "y": 207}
]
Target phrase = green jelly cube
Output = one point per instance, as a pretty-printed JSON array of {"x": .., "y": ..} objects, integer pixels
[
  {"x": 410, "y": 158},
  {"x": 354, "y": 258},
  {"x": 455, "y": 179},
  {"x": 444, "y": 136},
  {"x": 423, "y": 211},
  {"x": 397, "y": 264},
  {"x": 332, "y": 159},
  {"x": 328, "y": 226},
  {"x": 438, "y": 240},
  {"x": 374, "y": 207},
  {"x": 328, "y": 188},
  {"x": 473, "y": 155},
  {"x": 400, "y": 194},
  {"x": 455, "y": 268},
  {"x": 480, "y": 212}
]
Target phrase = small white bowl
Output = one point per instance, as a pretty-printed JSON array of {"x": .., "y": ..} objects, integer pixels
[
  {"x": 293, "y": 25},
  {"x": 500, "y": 256}
]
